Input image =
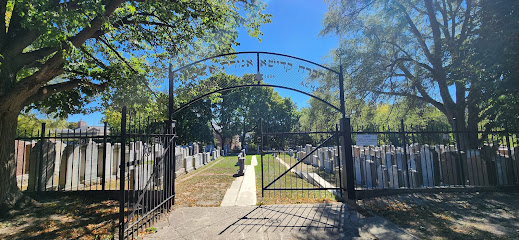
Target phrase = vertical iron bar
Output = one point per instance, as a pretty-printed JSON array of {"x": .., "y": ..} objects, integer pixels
[
  {"x": 122, "y": 169},
  {"x": 166, "y": 169},
  {"x": 509, "y": 151},
  {"x": 16, "y": 153},
  {"x": 258, "y": 62},
  {"x": 347, "y": 159},
  {"x": 40, "y": 173},
  {"x": 79, "y": 164},
  {"x": 24, "y": 169},
  {"x": 103, "y": 178},
  {"x": 458, "y": 145},
  {"x": 337, "y": 161},
  {"x": 171, "y": 99},
  {"x": 172, "y": 174},
  {"x": 261, "y": 153},
  {"x": 341, "y": 91}
]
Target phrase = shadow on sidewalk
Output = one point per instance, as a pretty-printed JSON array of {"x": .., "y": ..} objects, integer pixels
[{"x": 327, "y": 219}]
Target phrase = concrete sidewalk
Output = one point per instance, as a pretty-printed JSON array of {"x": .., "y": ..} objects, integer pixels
[
  {"x": 302, "y": 221},
  {"x": 243, "y": 189}
]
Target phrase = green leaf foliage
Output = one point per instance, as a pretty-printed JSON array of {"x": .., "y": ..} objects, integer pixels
[
  {"x": 458, "y": 56},
  {"x": 61, "y": 55}
]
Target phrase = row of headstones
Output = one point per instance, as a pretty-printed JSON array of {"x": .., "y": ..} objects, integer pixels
[
  {"x": 187, "y": 158},
  {"x": 325, "y": 158},
  {"x": 79, "y": 165},
  {"x": 428, "y": 166}
]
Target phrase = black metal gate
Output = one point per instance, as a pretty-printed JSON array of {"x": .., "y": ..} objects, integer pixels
[
  {"x": 147, "y": 186},
  {"x": 287, "y": 73},
  {"x": 289, "y": 163}
]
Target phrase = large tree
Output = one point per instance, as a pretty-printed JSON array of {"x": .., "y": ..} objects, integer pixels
[
  {"x": 240, "y": 111},
  {"x": 423, "y": 50},
  {"x": 497, "y": 52},
  {"x": 58, "y": 54}
]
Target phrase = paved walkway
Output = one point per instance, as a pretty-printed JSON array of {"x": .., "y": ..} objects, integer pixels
[
  {"x": 302, "y": 221},
  {"x": 243, "y": 189},
  {"x": 240, "y": 218}
]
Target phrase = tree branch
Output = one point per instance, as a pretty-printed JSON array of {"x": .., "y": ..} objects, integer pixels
[
  {"x": 435, "y": 31},
  {"x": 466, "y": 22},
  {"x": 29, "y": 85},
  {"x": 445, "y": 17},
  {"x": 84, "y": 74},
  {"x": 216, "y": 131},
  {"x": 46, "y": 91},
  {"x": 421, "y": 89},
  {"x": 117, "y": 54},
  {"x": 29, "y": 58},
  {"x": 97, "y": 61},
  {"x": 95, "y": 24},
  {"x": 3, "y": 10},
  {"x": 417, "y": 34},
  {"x": 403, "y": 94}
]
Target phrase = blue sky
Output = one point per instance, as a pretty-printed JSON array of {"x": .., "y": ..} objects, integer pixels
[{"x": 294, "y": 31}]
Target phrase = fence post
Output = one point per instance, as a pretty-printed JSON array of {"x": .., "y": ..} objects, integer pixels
[
  {"x": 103, "y": 178},
  {"x": 122, "y": 172},
  {"x": 458, "y": 145},
  {"x": 509, "y": 152},
  {"x": 40, "y": 169},
  {"x": 261, "y": 154},
  {"x": 404, "y": 146},
  {"x": 173, "y": 169},
  {"x": 347, "y": 159}
]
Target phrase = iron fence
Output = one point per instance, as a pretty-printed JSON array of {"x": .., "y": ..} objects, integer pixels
[
  {"x": 68, "y": 160},
  {"x": 290, "y": 169},
  {"x": 418, "y": 158},
  {"x": 135, "y": 163},
  {"x": 147, "y": 189}
]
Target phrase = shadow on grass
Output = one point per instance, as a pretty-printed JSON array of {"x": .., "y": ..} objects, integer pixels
[
  {"x": 64, "y": 216},
  {"x": 483, "y": 215}
]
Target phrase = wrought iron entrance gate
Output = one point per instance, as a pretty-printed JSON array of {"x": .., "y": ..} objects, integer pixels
[
  {"x": 147, "y": 149},
  {"x": 298, "y": 168},
  {"x": 147, "y": 186},
  {"x": 266, "y": 69}
]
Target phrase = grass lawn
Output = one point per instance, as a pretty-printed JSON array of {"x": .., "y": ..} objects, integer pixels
[
  {"x": 482, "y": 215},
  {"x": 206, "y": 186},
  {"x": 62, "y": 217},
  {"x": 272, "y": 169}
]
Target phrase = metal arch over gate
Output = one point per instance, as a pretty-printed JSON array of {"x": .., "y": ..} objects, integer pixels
[{"x": 284, "y": 72}]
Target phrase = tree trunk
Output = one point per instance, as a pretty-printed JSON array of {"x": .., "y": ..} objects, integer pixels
[
  {"x": 465, "y": 136},
  {"x": 10, "y": 195}
]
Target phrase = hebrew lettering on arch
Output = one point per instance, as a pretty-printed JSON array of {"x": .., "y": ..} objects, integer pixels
[
  {"x": 249, "y": 62},
  {"x": 271, "y": 61},
  {"x": 232, "y": 62},
  {"x": 301, "y": 67},
  {"x": 288, "y": 67},
  {"x": 284, "y": 65},
  {"x": 313, "y": 74},
  {"x": 263, "y": 63}
]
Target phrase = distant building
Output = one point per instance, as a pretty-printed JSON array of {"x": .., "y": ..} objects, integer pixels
[{"x": 83, "y": 130}]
